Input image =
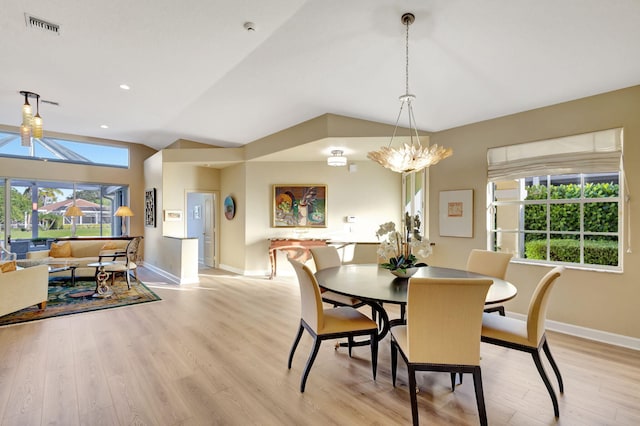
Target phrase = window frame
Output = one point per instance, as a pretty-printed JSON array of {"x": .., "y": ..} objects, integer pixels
[{"x": 493, "y": 231}]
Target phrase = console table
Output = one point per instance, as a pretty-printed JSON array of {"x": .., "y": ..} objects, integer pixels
[{"x": 296, "y": 248}]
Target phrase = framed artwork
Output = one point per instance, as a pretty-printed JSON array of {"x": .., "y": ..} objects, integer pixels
[
  {"x": 196, "y": 211},
  {"x": 456, "y": 213},
  {"x": 299, "y": 206},
  {"x": 172, "y": 215},
  {"x": 150, "y": 207},
  {"x": 229, "y": 207}
]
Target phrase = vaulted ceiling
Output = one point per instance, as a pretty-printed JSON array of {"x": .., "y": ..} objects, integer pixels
[{"x": 196, "y": 73}]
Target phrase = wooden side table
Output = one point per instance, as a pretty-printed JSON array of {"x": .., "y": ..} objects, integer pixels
[{"x": 296, "y": 248}]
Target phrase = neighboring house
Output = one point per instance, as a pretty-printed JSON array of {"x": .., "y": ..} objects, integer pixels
[{"x": 90, "y": 210}]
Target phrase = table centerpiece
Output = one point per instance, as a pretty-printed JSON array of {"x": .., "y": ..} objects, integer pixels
[{"x": 401, "y": 250}]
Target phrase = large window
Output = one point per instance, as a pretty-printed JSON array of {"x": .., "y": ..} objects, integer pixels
[
  {"x": 572, "y": 214},
  {"x": 37, "y": 209}
]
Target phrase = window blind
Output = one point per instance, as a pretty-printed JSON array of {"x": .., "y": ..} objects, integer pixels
[{"x": 585, "y": 153}]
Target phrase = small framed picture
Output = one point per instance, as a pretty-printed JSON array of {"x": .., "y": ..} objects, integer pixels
[
  {"x": 456, "y": 213},
  {"x": 172, "y": 215}
]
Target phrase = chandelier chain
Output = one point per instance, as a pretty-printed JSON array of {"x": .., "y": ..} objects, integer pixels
[{"x": 406, "y": 73}]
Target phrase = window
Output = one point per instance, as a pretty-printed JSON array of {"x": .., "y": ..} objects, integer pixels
[
  {"x": 559, "y": 201},
  {"x": 66, "y": 151},
  {"x": 37, "y": 209}
]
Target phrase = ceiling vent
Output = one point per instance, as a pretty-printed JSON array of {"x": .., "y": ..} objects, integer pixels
[{"x": 41, "y": 24}]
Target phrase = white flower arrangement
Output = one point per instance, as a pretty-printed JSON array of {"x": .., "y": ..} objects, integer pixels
[{"x": 401, "y": 252}]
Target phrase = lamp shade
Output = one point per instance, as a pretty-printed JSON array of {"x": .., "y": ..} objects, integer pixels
[
  {"x": 123, "y": 211},
  {"x": 73, "y": 210}
]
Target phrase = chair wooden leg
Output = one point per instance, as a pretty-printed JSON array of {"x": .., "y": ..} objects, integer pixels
[
  {"x": 295, "y": 345},
  {"x": 498, "y": 309},
  {"x": 374, "y": 352},
  {"x": 394, "y": 362},
  {"x": 413, "y": 394},
  {"x": 556, "y": 370},
  {"x": 547, "y": 383},
  {"x": 477, "y": 383},
  {"x": 128, "y": 279},
  {"x": 350, "y": 344},
  {"x": 312, "y": 357}
]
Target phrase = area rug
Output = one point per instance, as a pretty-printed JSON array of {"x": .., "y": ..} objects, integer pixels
[{"x": 65, "y": 299}]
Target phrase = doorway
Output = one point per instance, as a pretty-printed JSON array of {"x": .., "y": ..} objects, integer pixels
[{"x": 202, "y": 224}]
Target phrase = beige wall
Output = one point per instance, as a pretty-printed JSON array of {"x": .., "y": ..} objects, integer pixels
[
  {"x": 232, "y": 232},
  {"x": 153, "y": 235},
  {"x": 372, "y": 194},
  {"x": 172, "y": 181},
  {"x": 596, "y": 300}
]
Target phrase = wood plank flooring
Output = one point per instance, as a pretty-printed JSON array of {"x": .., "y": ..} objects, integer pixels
[{"x": 216, "y": 354}]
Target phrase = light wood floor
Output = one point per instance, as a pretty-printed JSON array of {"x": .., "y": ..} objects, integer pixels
[{"x": 216, "y": 353}]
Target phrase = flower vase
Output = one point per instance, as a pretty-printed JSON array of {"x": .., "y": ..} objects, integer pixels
[{"x": 408, "y": 272}]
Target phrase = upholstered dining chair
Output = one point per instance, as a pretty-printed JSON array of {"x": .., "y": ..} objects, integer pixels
[
  {"x": 127, "y": 264},
  {"x": 490, "y": 263},
  {"x": 327, "y": 257},
  {"x": 444, "y": 318},
  {"x": 331, "y": 323},
  {"x": 528, "y": 336}
]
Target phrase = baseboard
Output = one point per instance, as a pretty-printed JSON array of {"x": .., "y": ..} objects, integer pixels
[
  {"x": 256, "y": 273},
  {"x": 170, "y": 277},
  {"x": 587, "y": 333}
]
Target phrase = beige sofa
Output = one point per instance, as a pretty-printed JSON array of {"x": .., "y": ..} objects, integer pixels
[
  {"x": 23, "y": 288},
  {"x": 83, "y": 252}
]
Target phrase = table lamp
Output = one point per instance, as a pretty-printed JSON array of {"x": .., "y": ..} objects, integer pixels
[
  {"x": 73, "y": 211},
  {"x": 124, "y": 212}
]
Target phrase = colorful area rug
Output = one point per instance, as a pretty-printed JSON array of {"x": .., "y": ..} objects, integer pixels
[{"x": 65, "y": 299}]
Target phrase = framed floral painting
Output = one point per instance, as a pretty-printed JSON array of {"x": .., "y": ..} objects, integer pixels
[{"x": 299, "y": 206}]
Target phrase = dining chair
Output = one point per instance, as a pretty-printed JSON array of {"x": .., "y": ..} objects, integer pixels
[
  {"x": 126, "y": 265},
  {"x": 490, "y": 263},
  {"x": 442, "y": 333},
  {"x": 330, "y": 323},
  {"x": 528, "y": 336},
  {"x": 327, "y": 257}
]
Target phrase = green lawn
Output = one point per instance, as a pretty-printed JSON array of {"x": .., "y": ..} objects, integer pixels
[{"x": 81, "y": 231}]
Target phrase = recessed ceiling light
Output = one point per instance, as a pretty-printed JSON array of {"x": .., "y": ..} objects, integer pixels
[
  {"x": 104, "y": 126},
  {"x": 125, "y": 87}
]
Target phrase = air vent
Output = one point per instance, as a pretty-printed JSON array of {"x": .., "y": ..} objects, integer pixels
[{"x": 41, "y": 24}]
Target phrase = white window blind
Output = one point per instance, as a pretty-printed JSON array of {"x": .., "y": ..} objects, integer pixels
[{"x": 585, "y": 153}]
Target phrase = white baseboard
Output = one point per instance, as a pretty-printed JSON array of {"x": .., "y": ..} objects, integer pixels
[
  {"x": 587, "y": 333},
  {"x": 256, "y": 273},
  {"x": 170, "y": 277}
]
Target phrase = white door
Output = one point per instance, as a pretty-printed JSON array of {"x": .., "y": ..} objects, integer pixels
[{"x": 209, "y": 233}]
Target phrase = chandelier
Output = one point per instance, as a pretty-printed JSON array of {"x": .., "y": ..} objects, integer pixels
[
  {"x": 410, "y": 157},
  {"x": 31, "y": 124}
]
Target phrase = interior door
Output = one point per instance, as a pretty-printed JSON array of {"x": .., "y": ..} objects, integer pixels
[{"x": 209, "y": 230}]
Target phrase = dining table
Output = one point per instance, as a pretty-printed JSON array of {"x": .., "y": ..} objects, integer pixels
[{"x": 377, "y": 286}]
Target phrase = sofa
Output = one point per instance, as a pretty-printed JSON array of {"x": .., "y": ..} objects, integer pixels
[
  {"x": 23, "y": 288},
  {"x": 78, "y": 251}
]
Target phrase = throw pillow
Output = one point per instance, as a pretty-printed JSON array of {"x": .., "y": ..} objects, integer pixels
[
  {"x": 60, "y": 250},
  {"x": 8, "y": 266}
]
